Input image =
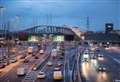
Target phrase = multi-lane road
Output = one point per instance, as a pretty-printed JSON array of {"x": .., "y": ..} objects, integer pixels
[
  {"x": 73, "y": 68},
  {"x": 110, "y": 60}
]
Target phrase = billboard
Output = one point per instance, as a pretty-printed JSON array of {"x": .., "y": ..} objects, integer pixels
[
  {"x": 33, "y": 39},
  {"x": 58, "y": 38}
]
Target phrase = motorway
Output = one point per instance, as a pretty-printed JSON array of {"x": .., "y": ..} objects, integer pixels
[
  {"x": 90, "y": 74},
  {"x": 65, "y": 68},
  {"x": 9, "y": 73},
  {"x": 73, "y": 68}
]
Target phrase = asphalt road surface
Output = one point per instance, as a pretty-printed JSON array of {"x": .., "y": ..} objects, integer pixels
[{"x": 90, "y": 73}]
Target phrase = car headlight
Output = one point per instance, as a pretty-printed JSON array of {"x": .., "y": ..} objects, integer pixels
[
  {"x": 104, "y": 68},
  {"x": 100, "y": 68}
]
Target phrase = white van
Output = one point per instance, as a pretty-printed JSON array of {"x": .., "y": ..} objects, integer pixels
[
  {"x": 41, "y": 51},
  {"x": 20, "y": 71},
  {"x": 54, "y": 53}
]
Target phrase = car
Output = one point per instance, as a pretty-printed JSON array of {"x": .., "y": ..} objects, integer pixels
[
  {"x": 86, "y": 52},
  {"x": 49, "y": 63},
  {"x": 61, "y": 57},
  {"x": 36, "y": 57},
  {"x": 100, "y": 55},
  {"x": 21, "y": 71},
  {"x": 85, "y": 60},
  {"x": 41, "y": 75},
  {"x": 94, "y": 57},
  {"x": 2, "y": 65},
  {"x": 27, "y": 77},
  {"x": 0, "y": 71},
  {"x": 116, "y": 80},
  {"x": 57, "y": 68},
  {"x": 25, "y": 60},
  {"x": 59, "y": 64},
  {"x": 6, "y": 63},
  {"x": 34, "y": 67},
  {"x": 41, "y": 51},
  {"x": 102, "y": 68},
  {"x": 97, "y": 50},
  {"x": 91, "y": 52},
  {"x": 30, "y": 50},
  {"x": 63, "y": 53},
  {"x": 59, "y": 52},
  {"x": 13, "y": 60}
]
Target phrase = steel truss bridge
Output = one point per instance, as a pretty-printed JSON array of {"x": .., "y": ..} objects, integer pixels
[
  {"x": 40, "y": 30},
  {"x": 54, "y": 30}
]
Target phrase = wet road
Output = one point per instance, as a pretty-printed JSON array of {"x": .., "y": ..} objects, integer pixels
[{"x": 90, "y": 73}]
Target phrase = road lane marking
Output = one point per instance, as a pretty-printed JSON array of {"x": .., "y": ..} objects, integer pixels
[
  {"x": 9, "y": 68},
  {"x": 118, "y": 61}
]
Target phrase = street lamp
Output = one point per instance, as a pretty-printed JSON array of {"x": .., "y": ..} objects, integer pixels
[
  {"x": 1, "y": 17},
  {"x": 1, "y": 10},
  {"x": 83, "y": 37},
  {"x": 2, "y": 27},
  {"x": 15, "y": 25}
]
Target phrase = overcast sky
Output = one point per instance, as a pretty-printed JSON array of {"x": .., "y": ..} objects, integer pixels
[{"x": 63, "y": 12}]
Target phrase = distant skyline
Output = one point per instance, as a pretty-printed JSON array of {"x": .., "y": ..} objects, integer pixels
[{"x": 22, "y": 13}]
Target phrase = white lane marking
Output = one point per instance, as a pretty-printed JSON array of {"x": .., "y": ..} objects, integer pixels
[
  {"x": 44, "y": 67},
  {"x": 118, "y": 61}
]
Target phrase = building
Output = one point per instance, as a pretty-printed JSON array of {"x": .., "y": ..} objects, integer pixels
[
  {"x": 109, "y": 27},
  {"x": 116, "y": 32},
  {"x": 103, "y": 38}
]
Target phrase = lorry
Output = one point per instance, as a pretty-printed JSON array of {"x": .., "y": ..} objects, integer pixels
[
  {"x": 85, "y": 57},
  {"x": 30, "y": 50},
  {"x": 54, "y": 53}
]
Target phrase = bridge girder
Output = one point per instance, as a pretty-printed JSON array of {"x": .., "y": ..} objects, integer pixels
[
  {"x": 44, "y": 29},
  {"x": 55, "y": 30}
]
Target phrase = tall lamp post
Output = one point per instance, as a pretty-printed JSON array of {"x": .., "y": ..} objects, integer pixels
[
  {"x": 1, "y": 17},
  {"x": 5, "y": 28},
  {"x": 2, "y": 28},
  {"x": 17, "y": 19}
]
